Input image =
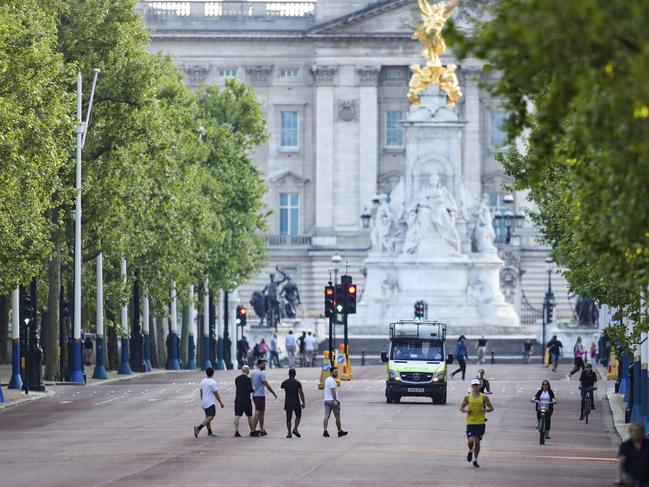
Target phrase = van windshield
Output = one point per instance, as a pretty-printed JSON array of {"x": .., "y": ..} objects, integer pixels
[{"x": 416, "y": 350}]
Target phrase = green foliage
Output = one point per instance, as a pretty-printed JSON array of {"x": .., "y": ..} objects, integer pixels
[{"x": 574, "y": 77}]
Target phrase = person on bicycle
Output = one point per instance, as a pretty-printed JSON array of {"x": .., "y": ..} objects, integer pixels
[
  {"x": 587, "y": 381},
  {"x": 485, "y": 387},
  {"x": 545, "y": 397}
]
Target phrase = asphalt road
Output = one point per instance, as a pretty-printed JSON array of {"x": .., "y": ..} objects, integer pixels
[{"x": 139, "y": 432}]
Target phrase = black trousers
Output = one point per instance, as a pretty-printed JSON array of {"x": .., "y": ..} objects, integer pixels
[
  {"x": 462, "y": 364},
  {"x": 548, "y": 419}
]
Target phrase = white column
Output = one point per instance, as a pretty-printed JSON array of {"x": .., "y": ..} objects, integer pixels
[
  {"x": 124, "y": 315},
  {"x": 145, "y": 313},
  {"x": 191, "y": 312},
  {"x": 472, "y": 140},
  {"x": 100, "y": 295},
  {"x": 77, "y": 219},
  {"x": 324, "y": 147},
  {"x": 369, "y": 135},
  {"x": 220, "y": 315},
  {"x": 173, "y": 324},
  {"x": 15, "y": 314},
  {"x": 206, "y": 309}
]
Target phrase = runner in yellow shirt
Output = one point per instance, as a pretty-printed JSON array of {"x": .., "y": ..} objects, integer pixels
[{"x": 475, "y": 405}]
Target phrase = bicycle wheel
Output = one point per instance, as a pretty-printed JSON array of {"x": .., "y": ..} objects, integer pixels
[{"x": 542, "y": 430}]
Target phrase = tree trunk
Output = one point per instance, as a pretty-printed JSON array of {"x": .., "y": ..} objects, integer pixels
[
  {"x": 50, "y": 328},
  {"x": 184, "y": 333},
  {"x": 5, "y": 340},
  {"x": 111, "y": 336},
  {"x": 161, "y": 339},
  {"x": 153, "y": 343}
]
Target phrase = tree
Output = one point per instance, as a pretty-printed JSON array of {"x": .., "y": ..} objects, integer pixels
[{"x": 574, "y": 79}]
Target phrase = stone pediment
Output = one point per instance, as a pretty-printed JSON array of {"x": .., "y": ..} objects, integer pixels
[
  {"x": 288, "y": 177},
  {"x": 386, "y": 17}
]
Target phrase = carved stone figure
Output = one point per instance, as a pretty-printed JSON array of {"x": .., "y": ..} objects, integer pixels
[
  {"x": 382, "y": 233},
  {"x": 483, "y": 233},
  {"x": 587, "y": 311},
  {"x": 431, "y": 217},
  {"x": 290, "y": 295},
  {"x": 272, "y": 316},
  {"x": 478, "y": 291}
]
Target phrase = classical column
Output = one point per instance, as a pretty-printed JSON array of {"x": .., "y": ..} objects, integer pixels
[
  {"x": 172, "y": 337},
  {"x": 324, "y": 147},
  {"x": 471, "y": 76},
  {"x": 369, "y": 134},
  {"x": 124, "y": 366},
  {"x": 146, "y": 331},
  {"x": 100, "y": 368},
  {"x": 191, "y": 332},
  {"x": 16, "y": 381},
  {"x": 207, "y": 363}
]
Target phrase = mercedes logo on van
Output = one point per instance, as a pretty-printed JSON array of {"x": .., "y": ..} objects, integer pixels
[{"x": 415, "y": 376}]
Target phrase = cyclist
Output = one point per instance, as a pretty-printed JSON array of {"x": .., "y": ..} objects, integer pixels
[
  {"x": 545, "y": 397},
  {"x": 587, "y": 381}
]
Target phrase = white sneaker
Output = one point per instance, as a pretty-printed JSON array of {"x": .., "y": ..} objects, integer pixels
[{"x": 567, "y": 376}]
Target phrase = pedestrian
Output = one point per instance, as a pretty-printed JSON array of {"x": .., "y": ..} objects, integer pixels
[
  {"x": 209, "y": 396},
  {"x": 527, "y": 351},
  {"x": 242, "y": 401},
  {"x": 242, "y": 351},
  {"x": 293, "y": 403},
  {"x": 579, "y": 352},
  {"x": 461, "y": 356},
  {"x": 555, "y": 350},
  {"x": 475, "y": 405},
  {"x": 593, "y": 353},
  {"x": 485, "y": 387},
  {"x": 332, "y": 403},
  {"x": 87, "y": 351},
  {"x": 290, "y": 344},
  {"x": 633, "y": 458},
  {"x": 481, "y": 349},
  {"x": 301, "y": 349},
  {"x": 274, "y": 352},
  {"x": 310, "y": 347},
  {"x": 259, "y": 385},
  {"x": 545, "y": 397},
  {"x": 262, "y": 349}
]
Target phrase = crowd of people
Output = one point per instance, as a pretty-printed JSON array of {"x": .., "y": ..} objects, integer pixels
[
  {"x": 300, "y": 350},
  {"x": 250, "y": 388}
]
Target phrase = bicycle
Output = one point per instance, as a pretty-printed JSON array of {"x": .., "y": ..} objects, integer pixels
[
  {"x": 542, "y": 426},
  {"x": 588, "y": 401}
]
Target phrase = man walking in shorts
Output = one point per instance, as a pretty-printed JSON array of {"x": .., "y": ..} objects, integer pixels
[
  {"x": 209, "y": 396},
  {"x": 290, "y": 344},
  {"x": 332, "y": 403},
  {"x": 242, "y": 402},
  {"x": 259, "y": 386},
  {"x": 294, "y": 397},
  {"x": 475, "y": 405}
]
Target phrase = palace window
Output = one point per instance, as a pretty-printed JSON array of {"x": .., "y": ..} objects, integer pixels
[
  {"x": 289, "y": 130},
  {"x": 227, "y": 73},
  {"x": 497, "y": 132},
  {"x": 394, "y": 129},
  {"x": 289, "y": 73},
  {"x": 289, "y": 213}
]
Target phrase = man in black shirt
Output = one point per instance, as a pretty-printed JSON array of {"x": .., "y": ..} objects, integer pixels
[
  {"x": 242, "y": 402},
  {"x": 556, "y": 347},
  {"x": 587, "y": 381},
  {"x": 633, "y": 458},
  {"x": 294, "y": 396}
]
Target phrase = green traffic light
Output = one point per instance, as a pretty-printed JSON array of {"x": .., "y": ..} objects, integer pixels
[{"x": 339, "y": 308}]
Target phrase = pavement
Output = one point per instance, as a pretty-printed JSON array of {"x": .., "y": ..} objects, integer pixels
[{"x": 138, "y": 431}]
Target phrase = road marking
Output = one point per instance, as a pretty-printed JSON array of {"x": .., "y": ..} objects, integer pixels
[{"x": 65, "y": 402}]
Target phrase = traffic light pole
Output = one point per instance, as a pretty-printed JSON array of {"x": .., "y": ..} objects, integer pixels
[{"x": 331, "y": 340}]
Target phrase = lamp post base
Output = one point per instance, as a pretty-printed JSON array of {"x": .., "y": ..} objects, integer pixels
[
  {"x": 16, "y": 381},
  {"x": 77, "y": 375},
  {"x": 220, "y": 362},
  {"x": 125, "y": 366},
  {"x": 172, "y": 352},
  {"x": 206, "y": 353},
  {"x": 191, "y": 355},
  {"x": 147, "y": 354},
  {"x": 100, "y": 369}
]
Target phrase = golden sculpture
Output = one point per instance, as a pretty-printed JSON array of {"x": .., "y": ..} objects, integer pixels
[{"x": 429, "y": 33}]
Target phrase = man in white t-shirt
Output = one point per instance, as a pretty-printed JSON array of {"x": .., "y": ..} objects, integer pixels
[
  {"x": 332, "y": 403},
  {"x": 309, "y": 349},
  {"x": 290, "y": 343},
  {"x": 209, "y": 396}
]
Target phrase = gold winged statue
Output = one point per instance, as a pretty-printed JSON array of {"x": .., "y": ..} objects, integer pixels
[{"x": 429, "y": 33}]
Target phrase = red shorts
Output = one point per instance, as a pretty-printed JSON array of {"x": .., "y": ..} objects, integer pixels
[{"x": 260, "y": 403}]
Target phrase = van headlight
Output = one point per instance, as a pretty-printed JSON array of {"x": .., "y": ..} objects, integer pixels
[
  {"x": 438, "y": 376},
  {"x": 394, "y": 375}
]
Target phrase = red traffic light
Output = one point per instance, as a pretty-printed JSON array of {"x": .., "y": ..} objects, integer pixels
[
  {"x": 243, "y": 311},
  {"x": 329, "y": 292},
  {"x": 351, "y": 289}
]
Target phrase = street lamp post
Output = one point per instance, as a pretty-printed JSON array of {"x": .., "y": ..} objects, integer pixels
[
  {"x": 548, "y": 302},
  {"x": 512, "y": 220}
]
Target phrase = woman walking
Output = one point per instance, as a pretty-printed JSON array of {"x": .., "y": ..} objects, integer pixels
[
  {"x": 461, "y": 356},
  {"x": 579, "y": 358}
]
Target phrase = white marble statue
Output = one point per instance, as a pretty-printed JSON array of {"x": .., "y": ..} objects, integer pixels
[
  {"x": 478, "y": 291},
  {"x": 431, "y": 217},
  {"x": 382, "y": 234},
  {"x": 483, "y": 233}
]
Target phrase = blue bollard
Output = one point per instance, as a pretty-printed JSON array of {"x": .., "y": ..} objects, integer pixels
[
  {"x": 77, "y": 373},
  {"x": 220, "y": 355},
  {"x": 125, "y": 366},
  {"x": 206, "y": 353},
  {"x": 191, "y": 353},
  {"x": 100, "y": 368},
  {"x": 16, "y": 381},
  {"x": 636, "y": 413},
  {"x": 147, "y": 354},
  {"x": 2, "y": 397},
  {"x": 172, "y": 352},
  {"x": 624, "y": 380}
]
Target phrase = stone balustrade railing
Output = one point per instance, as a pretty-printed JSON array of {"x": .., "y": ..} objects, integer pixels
[
  {"x": 288, "y": 240},
  {"x": 226, "y": 8}
]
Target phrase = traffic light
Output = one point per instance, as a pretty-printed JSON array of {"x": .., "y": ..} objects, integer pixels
[
  {"x": 242, "y": 315},
  {"x": 26, "y": 309},
  {"x": 329, "y": 300},
  {"x": 420, "y": 310},
  {"x": 339, "y": 299},
  {"x": 348, "y": 295}
]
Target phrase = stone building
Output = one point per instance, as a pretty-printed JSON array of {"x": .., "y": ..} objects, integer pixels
[{"x": 332, "y": 78}]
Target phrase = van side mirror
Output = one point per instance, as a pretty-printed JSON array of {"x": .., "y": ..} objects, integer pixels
[
  {"x": 449, "y": 358},
  {"x": 384, "y": 357}
]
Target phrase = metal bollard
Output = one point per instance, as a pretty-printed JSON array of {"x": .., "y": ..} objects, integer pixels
[
  {"x": 362, "y": 357},
  {"x": 493, "y": 360}
]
